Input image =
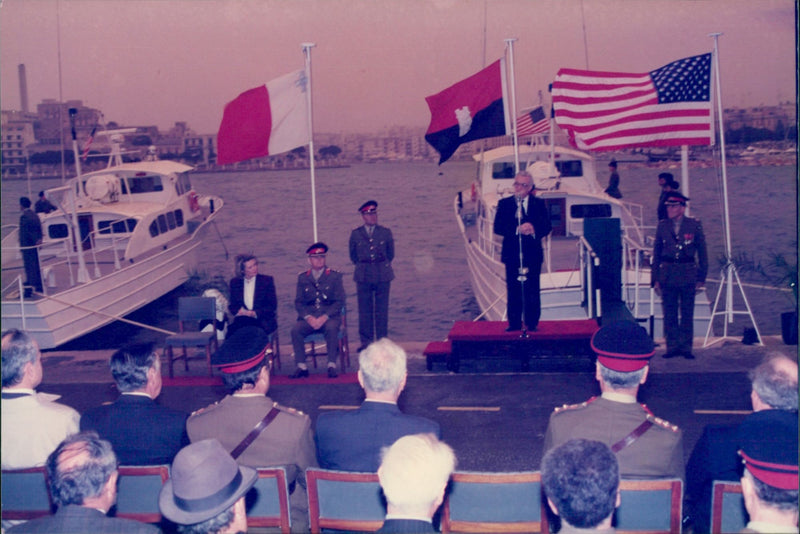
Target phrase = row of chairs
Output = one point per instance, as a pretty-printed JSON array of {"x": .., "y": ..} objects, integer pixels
[
  {"x": 476, "y": 502},
  {"x": 192, "y": 310}
]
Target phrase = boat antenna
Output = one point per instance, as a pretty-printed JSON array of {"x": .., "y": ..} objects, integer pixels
[
  {"x": 83, "y": 272},
  {"x": 60, "y": 94},
  {"x": 585, "y": 42},
  {"x": 307, "y": 53},
  {"x": 510, "y": 52}
]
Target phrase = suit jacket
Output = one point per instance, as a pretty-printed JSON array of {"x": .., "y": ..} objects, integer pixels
[
  {"x": 658, "y": 453},
  {"x": 265, "y": 300},
  {"x": 406, "y": 526},
  {"x": 352, "y": 440},
  {"x": 372, "y": 256},
  {"x": 680, "y": 259},
  {"x": 505, "y": 224},
  {"x": 30, "y": 228},
  {"x": 141, "y": 431},
  {"x": 74, "y": 519},
  {"x": 324, "y": 296},
  {"x": 33, "y": 425}
]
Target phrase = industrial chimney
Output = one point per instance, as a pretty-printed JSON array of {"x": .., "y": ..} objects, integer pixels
[{"x": 23, "y": 88}]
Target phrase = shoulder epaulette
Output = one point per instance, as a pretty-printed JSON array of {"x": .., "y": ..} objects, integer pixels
[
  {"x": 662, "y": 423},
  {"x": 567, "y": 407},
  {"x": 203, "y": 410},
  {"x": 292, "y": 411}
]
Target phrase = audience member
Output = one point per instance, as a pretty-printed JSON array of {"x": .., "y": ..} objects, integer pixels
[
  {"x": 319, "y": 301},
  {"x": 141, "y": 431},
  {"x": 646, "y": 446},
  {"x": 581, "y": 481},
  {"x": 414, "y": 473},
  {"x": 282, "y": 436},
  {"x": 254, "y": 301},
  {"x": 770, "y": 481},
  {"x": 82, "y": 473},
  {"x": 43, "y": 205},
  {"x": 205, "y": 491},
  {"x": 352, "y": 440},
  {"x": 714, "y": 457},
  {"x": 33, "y": 424}
]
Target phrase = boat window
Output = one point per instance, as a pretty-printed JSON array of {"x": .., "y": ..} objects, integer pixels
[
  {"x": 570, "y": 168},
  {"x": 502, "y": 170},
  {"x": 179, "y": 218},
  {"x": 145, "y": 184},
  {"x": 183, "y": 185},
  {"x": 154, "y": 229},
  {"x": 57, "y": 231},
  {"x": 590, "y": 211},
  {"x": 162, "y": 224},
  {"x": 116, "y": 227},
  {"x": 171, "y": 220}
]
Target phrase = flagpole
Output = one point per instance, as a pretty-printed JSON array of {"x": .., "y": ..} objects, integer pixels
[
  {"x": 510, "y": 48},
  {"x": 307, "y": 53}
]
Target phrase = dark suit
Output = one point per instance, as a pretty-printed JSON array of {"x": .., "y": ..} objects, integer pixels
[
  {"x": 505, "y": 224},
  {"x": 30, "y": 235},
  {"x": 324, "y": 296},
  {"x": 352, "y": 440},
  {"x": 372, "y": 256},
  {"x": 141, "y": 431},
  {"x": 75, "y": 519},
  {"x": 406, "y": 526},
  {"x": 265, "y": 304},
  {"x": 680, "y": 262}
]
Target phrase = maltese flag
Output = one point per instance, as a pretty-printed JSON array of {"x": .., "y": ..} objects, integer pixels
[{"x": 266, "y": 120}]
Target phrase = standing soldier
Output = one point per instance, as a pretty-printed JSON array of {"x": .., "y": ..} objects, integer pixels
[
  {"x": 372, "y": 252},
  {"x": 680, "y": 265}
]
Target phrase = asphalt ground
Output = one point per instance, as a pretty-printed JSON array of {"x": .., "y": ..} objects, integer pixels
[{"x": 491, "y": 413}]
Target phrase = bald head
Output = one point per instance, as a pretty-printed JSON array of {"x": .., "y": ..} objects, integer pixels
[{"x": 775, "y": 383}]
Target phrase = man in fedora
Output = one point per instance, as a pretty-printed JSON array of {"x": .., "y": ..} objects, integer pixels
[
  {"x": 284, "y": 436},
  {"x": 646, "y": 446},
  {"x": 372, "y": 252},
  {"x": 680, "y": 265},
  {"x": 205, "y": 491}
]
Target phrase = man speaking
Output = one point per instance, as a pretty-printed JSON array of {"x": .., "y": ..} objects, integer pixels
[{"x": 523, "y": 222}]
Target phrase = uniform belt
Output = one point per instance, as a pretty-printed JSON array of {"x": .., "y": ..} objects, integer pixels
[
  {"x": 672, "y": 260},
  {"x": 371, "y": 261}
]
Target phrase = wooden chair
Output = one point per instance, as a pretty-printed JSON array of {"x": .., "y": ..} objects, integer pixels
[
  {"x": 274, "y": 350},
  {"x": 650, "y": 506},
  {"x": 137, "y": 492},
  {"x": 339, "y": 500},
  {"x": 25, "y": 494},
  {"x": 268, "y": 501},
  {"x": 192, "y": 310},
  {"x": 344, "y": 344},
  {"x": 494, "y": 502},
  {"x": 728, "y": 513}
]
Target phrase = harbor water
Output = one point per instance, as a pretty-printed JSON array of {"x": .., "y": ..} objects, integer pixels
[{"x": 269, "y": 214}]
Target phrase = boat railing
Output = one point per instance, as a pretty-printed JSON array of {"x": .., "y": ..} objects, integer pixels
[{"x": 589, "y": 262}]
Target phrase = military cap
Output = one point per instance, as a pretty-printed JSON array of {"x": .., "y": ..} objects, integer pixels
[
  {"x": 674, "y": 199},
  {"x": 242, "y": 351},
  {"x": 622, "y": 346},
  {"x": 317, "y": 249},
  {"x": 368, "y": 207},
  {"x": 768, "y": 442},
  {"x": 667, "y": 176}
]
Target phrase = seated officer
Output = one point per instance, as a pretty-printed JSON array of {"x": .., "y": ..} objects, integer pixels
[{"x": 319, "y": 301}]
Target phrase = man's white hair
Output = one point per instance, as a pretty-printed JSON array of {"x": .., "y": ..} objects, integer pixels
[{"x": 415, "y": 469}]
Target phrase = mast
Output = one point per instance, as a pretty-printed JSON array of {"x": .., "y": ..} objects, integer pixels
[
  {"x": 307, "y": 53},
  {"x": 510, "y": 49}
]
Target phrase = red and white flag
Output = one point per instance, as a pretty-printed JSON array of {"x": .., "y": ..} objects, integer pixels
[
  {"x": 668, "y": 106},
  {"x": 88, "y": 144},
  {"x": 266, "y": 120}
]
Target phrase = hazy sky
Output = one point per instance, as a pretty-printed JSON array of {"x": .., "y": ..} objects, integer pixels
[{"x": 160, "y": 61}]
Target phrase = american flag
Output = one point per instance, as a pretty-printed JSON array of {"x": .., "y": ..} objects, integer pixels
[
  {"x": 532, "y": 122},
  {"x": 88, "y": 144},
  {"x": 612, "y": 110}
]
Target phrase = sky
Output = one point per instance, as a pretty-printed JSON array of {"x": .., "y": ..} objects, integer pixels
[{"x": 155, "y": 62}]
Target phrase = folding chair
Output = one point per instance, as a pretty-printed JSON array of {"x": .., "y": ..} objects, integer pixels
[
  {"x": 344, "y": 344},
  {"x": 268, "y": 501},
  {"x": 650, "y": 506},
  {"x": 192, "y": 310},
  {"x": 137, "y": 492},
  {"x": 493, "y": 502},
  {"x": 25, "y": 494},
  {"x": 340, "y": 500},
  {"x": 728, "y": 513}
]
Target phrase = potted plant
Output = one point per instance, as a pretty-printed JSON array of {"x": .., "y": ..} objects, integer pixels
[{"x": 783, "y": 274}]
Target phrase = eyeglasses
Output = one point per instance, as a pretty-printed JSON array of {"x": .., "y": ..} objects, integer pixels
[
  {"x": 369, "y": 212},
  {"x": 520, "y": 184}
]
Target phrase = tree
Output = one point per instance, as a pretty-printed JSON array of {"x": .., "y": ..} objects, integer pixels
[
  {"x": 142, "y": 140},
  {"x": 331, "y": 151}
]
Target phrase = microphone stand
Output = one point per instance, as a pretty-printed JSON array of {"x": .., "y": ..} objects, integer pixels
[{"x": 523, "y": 271}]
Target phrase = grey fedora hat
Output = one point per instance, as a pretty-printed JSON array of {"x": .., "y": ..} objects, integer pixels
[{"x": 204, "y": 481}]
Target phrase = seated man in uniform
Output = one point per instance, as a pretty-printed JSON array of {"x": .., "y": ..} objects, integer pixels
[
  {"x": 319, "y": 301},
  {"x": 284, "y": 436},
  {"x": 646, "y": 446}
]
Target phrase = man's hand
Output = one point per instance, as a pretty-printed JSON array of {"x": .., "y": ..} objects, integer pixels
[
  {"x": 657, "y": 288},
  {"x": 245, "y": 312},
  {"x": 526, "y": 228}
]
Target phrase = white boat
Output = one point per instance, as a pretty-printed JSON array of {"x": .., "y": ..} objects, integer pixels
[
  {"x": 572, "y": 276},
  {"x": 140, "y": 226}
]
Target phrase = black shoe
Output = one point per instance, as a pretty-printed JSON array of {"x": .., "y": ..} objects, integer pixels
[
  {"x": 332, "y": 372},
  {"x": 688, "y": 355},
  {"x": 670, "y": 354},
  {"x": 514, "y": 328},
  {"x": 299, "y": 373}
]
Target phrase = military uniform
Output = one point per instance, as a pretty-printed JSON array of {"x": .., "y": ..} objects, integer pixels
[
  {"x": 287, "y": 441},
  {"x": 323, "y": 296},
  {"x": 680, "y": 261},
  {"x": 372, "y": 256},
  {"x": 656, "y": 453}
]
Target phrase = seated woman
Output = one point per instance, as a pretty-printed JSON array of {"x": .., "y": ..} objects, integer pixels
[{"x": 253, "y": 298}]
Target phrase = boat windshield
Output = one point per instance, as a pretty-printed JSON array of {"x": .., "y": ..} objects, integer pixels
[{"x": 504, "y": 170}]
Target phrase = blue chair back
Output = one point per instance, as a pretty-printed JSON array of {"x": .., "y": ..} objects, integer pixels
[
  {"x": 340, "y": 500},
  {"x": 137, "y": 492},
  {"x": 197, "y": 308},
  {"x": 24, "y": 494},
  {"x": 268, "y": 500},
  {"x": 728, "y": 513},
  {"x": 650, "y": 506}
]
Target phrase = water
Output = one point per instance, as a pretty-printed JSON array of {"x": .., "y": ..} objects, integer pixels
[{"x": 270, "y": 214}]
